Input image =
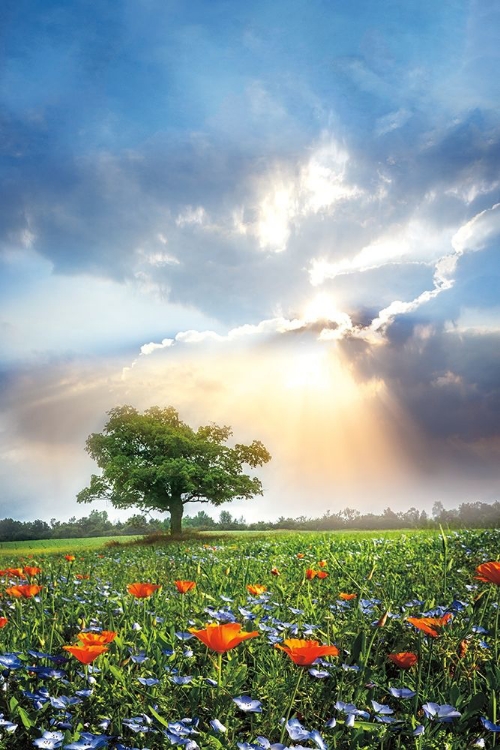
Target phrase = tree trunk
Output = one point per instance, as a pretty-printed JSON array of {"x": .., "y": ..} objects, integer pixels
[{"x": 176, "y": 512}]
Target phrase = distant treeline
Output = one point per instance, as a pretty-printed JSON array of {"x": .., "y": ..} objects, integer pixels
[{"x": 467, "y": 515}]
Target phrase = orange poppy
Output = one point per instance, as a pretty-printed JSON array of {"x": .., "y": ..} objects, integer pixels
[
  {"x": 15, "y": 572},
  {"x": 322, "y": 564},
  {"x": 3, "y": 622},
  {"x": 403, "y": 659},
  {"x": 256, "y": 589},
  {"x": 32, "y": 570},
  {"x": 24, "y": 591},
  {"x": 222, "y": 638},
  {"x": 304, "y": 653},
  {"x": 82, "y": 576},
  {"x": 184, "y": 586},
  {"x": 321, "y": 574},
  {"x": 275, "y": 572},
  {"x": 142, "y": 590},
  {"x": 300, "y": 555},
  {"x": 97, "y": 639},
  {"x": 489, "y": 572},
  {"x": 430, "y": 625},
  {"x": 69, "y": 558},
  {"x": 310, "y": 574},
  {"x": 86, "y": 654},
  {"x": 347, "y": 597}
]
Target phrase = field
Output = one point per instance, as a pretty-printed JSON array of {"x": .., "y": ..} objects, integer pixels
[
  {"x": 346, "y": 641},
  {"x": 48, "y": 546}
]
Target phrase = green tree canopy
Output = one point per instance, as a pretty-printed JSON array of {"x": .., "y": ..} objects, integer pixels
[{"x": 154, "y": 461}]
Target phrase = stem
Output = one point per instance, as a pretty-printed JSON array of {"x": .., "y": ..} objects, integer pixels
[{"x": 290, "y": 706}]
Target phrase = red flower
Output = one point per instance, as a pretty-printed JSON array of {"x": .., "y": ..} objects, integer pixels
[
  {"x": 222, "y": 638},
  {"x": 86, "y": 654},
  {"x": 184, "y": 586},
  {"x": 310, "y": 574},
  {"x": 15, "y": 572},
  {"x": 69, "y": 558},
  {"x": 256, "y": 589},
  {"x": 322, "y": 564},
  {"x": 24, "y": 591},
  {"x": 3, "y": 622},
  {"x": 142, "y": 590},
  {"x": 489, "y": 572},
  {"x": 430, "y": 625},
  {"x": 403, "y": 659},
  {"x": 321, "y": 574},
  {"x": 97, "y": 639},
  {"x": 304, "y": 653}
]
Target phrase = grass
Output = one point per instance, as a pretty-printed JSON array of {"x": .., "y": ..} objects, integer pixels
[
  {"x": 54, "y": 546},
  {"x": 158, "y": 684}
]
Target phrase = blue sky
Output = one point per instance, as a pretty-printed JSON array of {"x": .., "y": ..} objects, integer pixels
[{"x": 267, "y": 215}]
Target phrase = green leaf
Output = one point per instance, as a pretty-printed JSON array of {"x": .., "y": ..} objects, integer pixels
[{"x": 158, "y": 718}]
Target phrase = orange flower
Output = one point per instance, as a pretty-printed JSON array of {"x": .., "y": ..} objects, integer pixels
[
  {"x": 275, "y": 572},
  {"x": 430, "y": 625},
  {"x": 403, "y": 659},
  {"x": 322, "y": 564},
  {"x": 256, "y": 589},
  {"x": 25, "y": 591},
  {"x": 184, "y": 586},
  {"x": 300, "y": 555},
  {"x": 32, "y": 570},
  {"x": 489, "y": 572},
  {"x": 82, "y": 576},
  {"x": 142, "y": 590},
  {"x": 97, "y": 639},
  {"x": 15, "y": 572},
  {"x": 69, "y": 558},
  {"x": 321, "y": 574},
  {"x": 347, "y": 597},
  {"x": 304, "y": 653},
  {"x": 86, "y": 654},
  {"x": 3, "y": 622},
  {"x": 222, "y": 638},
  {"x": 310, "y": 574}
]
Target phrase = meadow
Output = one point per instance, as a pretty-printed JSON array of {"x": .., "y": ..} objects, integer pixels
[{"x": 257, "y": 643}]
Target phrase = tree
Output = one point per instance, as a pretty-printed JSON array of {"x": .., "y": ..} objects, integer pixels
[{"x": 154, "y": 461}]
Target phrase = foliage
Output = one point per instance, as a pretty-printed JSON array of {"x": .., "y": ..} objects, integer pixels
[
  {"x": 154, "y": 461},
  {"x": 157, "y": 685}
]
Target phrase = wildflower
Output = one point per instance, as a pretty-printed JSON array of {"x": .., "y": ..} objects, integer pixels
[
  {"x": 402, "y": 693},
  {"x": 489, "y": 725},
  {"x": 217, "y": 726},
  {"x": 32, "y": 570},
  {"x": 97, "y": 639},
  {"x": 305, "y": 652},
  {"x": 430, "y": 625},
  {"x": 15, "y": 572},
  {"x": 322, "y": 563},
  {"x": 86, "y": 654},
  {"x": 403, "y": 659},
  {"x": 300, "y": 555},
  {"x": 321, "y": 574},
  {"x": 222, "y": 638},
  {"x": 275, "y": 572},
  {"x": 184, "y": 586},
  {"x": 247, "y": 704},
  {"x": 49, "y": 740},
  {"x": 310, "y": 574},
  {"x": 24, "y": 591},
  {"x": 82, "y": 576},
  {"x": 489, "y": 572},
  {"x": 347, "y": 597},
  {"x": 256, "y": 589},
  {"x": 444, "y": 713},
  {"x": 70, "y": 558},
  {"x": 142, "y": 590},
  {"x": 3, "y": 621}
]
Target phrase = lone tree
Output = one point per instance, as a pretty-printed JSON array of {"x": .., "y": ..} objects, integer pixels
[{"x": 154, "y": 461}]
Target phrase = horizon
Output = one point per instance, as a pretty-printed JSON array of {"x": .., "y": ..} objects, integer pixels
[{"x": 281, "y": 218}]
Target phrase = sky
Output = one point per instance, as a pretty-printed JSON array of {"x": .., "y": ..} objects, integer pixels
[{"x": 283, "y": 217}]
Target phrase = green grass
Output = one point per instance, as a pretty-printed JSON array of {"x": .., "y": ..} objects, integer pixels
[
  {"x": 400, "y": 573},
  {"x": 53, "y": 546}
]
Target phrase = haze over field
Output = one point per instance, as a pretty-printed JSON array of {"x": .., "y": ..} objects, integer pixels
[{"x": 284, "y": 217}]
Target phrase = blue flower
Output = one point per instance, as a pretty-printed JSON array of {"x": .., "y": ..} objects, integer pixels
[
  {"x": 49, "y": 740},
  {"x": 179, "y": 680},
  {"x": 403, "y": 693},
  {"x": 319, "y": 674},
  {"x": 88, "y": 741},
  {"x": 247, "y": 704},
  {"x": 183, "y": 636},
  {"x": 487, "y": 724},
  {"x": 444, "y": 713},
  {"x": 7, "y": 725},
  {"x": 148, "y": 681},
  {"x": 351, "y": 710},
  {"x": 296, "y": 731},
  {"x": 10, "y": 661},
  {"x": 217, "y": 726}
]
